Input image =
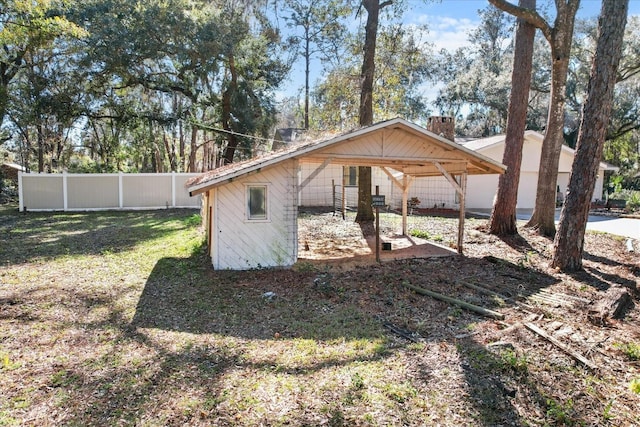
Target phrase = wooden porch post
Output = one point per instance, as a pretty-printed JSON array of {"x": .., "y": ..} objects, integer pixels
[
  {"x": 462, "y": 193},
  {"x": 405, "y": 198}
]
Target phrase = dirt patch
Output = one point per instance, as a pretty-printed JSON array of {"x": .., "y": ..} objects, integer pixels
[{"x": 325, "y": 237}]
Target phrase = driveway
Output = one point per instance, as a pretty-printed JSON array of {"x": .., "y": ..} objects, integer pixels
[{"x": 627, "y": 227}]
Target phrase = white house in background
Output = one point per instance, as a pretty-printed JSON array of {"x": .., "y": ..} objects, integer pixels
[
  {"x": 250, "y": 208},
  {"x": 482, "y": 189}
]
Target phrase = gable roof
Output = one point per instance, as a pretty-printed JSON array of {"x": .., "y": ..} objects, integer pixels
[
  {"x": 482, "y": 144},
  {"x": 396, "y": 144}
]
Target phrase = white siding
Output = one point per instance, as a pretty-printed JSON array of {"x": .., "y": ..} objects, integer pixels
[
  {"x": 526, "y": 190},
  {"x": 241, "y": 244},
  {"x": 481, "y": 189},
  {"x": 530, "y": 155},
  {"x": 598, "y": 191}
]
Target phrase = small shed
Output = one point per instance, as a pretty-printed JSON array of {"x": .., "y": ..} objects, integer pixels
[{"x": 250, "y": 208}]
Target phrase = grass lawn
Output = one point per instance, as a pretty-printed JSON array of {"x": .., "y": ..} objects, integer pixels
[{"x": 117, "y": 318}]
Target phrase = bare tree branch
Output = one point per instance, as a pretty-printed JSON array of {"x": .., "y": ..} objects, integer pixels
[{"x": 529, "y": 15}]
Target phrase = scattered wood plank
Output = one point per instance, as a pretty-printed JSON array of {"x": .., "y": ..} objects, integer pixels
[
  {"x": 451, "y": 300},
  {"x": 532, "y": 327},
  {"x": 557, "y": 299},
  {"x": 494, "y": 294}
]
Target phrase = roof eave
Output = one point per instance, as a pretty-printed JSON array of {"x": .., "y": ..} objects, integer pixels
[{"x": 471, "y": 155}]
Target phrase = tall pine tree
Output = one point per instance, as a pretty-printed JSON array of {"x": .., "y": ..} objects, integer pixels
[{"x": 569, "y": 240}]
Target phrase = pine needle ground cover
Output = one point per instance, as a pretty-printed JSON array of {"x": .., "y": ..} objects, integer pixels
[{"x": 116, "y": 318}]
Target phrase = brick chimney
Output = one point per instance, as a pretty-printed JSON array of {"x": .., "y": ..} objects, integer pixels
[{"x": 443, "y": 126}]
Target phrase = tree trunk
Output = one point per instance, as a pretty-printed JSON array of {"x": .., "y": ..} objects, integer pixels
[
  {"x": 543, "y": 218},
  {"x": 170, "y": 149},
  {"x": 182, "y": 149},
  {"x": 4, "y": 101},
  {"x": 232, "y": 140},
  {"x": 193, "y": 150},
  {"x": 373, "y": 7},
  {"x": 503, "y": 215},
  {"x": 559, "y": 38},
  {"x": 569, "y": 242},
  {"x": 307, "y": 57},
  {"x": 612, "y": 305},
  {"x": 40, "y": 149}
]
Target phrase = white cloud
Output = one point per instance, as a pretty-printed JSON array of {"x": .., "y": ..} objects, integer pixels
[{"x": 446, "y": 32}]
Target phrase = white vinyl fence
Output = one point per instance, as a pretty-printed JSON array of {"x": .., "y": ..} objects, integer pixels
[{"x": 80, "y": 192}]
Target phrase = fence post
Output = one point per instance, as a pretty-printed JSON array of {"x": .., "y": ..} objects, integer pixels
[
  {"x": 173, "y": 189},
  {"x": 20, "y": 192},
  {"x": 65, "y": 202},
  {"x": 120, "y": 193}
]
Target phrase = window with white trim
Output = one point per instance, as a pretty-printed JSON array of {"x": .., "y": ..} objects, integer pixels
[{"x": 256, "y": 202}]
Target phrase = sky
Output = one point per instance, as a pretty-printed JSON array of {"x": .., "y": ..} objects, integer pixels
[{"x": 449, "y": 23}]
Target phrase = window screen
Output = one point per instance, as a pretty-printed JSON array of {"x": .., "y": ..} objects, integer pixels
[{"x": 257, "y": 201}]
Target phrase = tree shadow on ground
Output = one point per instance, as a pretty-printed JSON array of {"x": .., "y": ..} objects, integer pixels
[
  {"x": 517, "y": 242},
  {"x": 50, "y": 235},
  {"x": 517, "y": 281},
  {"x": 239, "y": 303},
  {"x": 325, "y": 306},
  {"x": 601, "y": 280},
  {"x": 495, "y": 377}
]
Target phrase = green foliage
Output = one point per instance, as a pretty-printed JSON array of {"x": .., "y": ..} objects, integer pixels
[
  {"x": 133, "y": 77},
  {"x": 561, "y": 413},
  {"x": 7, "y": 363},
  {"x": 615, "y": 183},
  {"x": 478, "y": 77},
  {"x": 63, "y": 378},
  {"x": 422, "y": 234},
  {"x": 633, "y": 202},
  {"x": 515, "y": 362},
  {"x": 631, "y": 350},
  {"x": 401, "y": 393},
  {"x": 357, "y": 382},
  {"x": 634, "y": 385},
  {"x": 622, "y": 151},
  {"x": 403, "y": 65},
  {"x": 632, "y": 198}
]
